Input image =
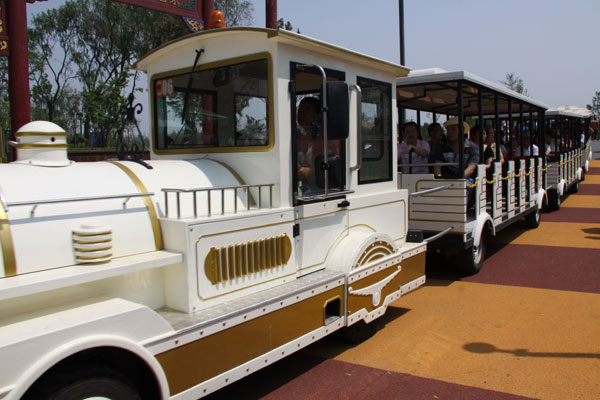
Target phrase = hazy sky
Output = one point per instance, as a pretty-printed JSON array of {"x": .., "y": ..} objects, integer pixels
[{"x": 553, "y": 45}]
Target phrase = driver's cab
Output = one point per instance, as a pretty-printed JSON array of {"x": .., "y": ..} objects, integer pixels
[{"x": 312, "y": 121}]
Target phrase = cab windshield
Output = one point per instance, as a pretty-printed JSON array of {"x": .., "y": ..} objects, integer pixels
[{"x": 221, "y": 107}]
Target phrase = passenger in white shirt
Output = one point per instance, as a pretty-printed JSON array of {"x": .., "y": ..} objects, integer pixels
[
  {"x": 413, "y": 150},
  {"x": 527, "y": 147}
]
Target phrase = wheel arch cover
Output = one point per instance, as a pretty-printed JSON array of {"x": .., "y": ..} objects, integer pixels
[{"x": 53, "y": 357}]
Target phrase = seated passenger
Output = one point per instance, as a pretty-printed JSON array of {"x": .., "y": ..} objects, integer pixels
[
  {"x": 413, "y": 150},
  {"x": 436, "y": 135},
  {"x": 526, "y": 147},
  {"x": 310, "y": 145},
  {"x": 488, "y": 153},
  {"x": 491, "y": 142},
  {"x": 449, "y": 153},
  {"x": 550, "y": 143}
]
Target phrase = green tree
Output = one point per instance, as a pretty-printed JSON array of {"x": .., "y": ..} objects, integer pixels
[
  {"x": 287, "y": 25},
  {"x": 81, "y": 54},
  {"x": 49, "y": 63},
  {"x": 236, "y": 12},
  {"x": 513, "y": 82},
  {"x": 595, "y": 106}
]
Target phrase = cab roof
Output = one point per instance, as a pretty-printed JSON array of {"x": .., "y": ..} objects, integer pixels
[{"x": 280, "y": 36}]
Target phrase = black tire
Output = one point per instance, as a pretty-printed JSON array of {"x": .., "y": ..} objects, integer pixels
[
  {"x": 532, "y": 220},
  {"x": 83, "y": 383},
  {"x": 554, "y": 200},
  {"x": 574, "y": 187},
  {"x": 359, "y": 332},
  {"x": 471, "y": 259},
  {"x": 582, "y": 174}
]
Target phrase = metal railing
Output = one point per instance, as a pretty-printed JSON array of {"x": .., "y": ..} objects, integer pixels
[
  {"x": 36, "y": 203},
  {"x": 221, "y": 190},
  {"x": 432, "y": 190}
]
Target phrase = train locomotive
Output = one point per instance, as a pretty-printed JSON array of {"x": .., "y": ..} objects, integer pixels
[{"x": 174, "y": 277}]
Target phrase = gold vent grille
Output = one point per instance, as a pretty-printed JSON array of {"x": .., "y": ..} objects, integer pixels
[{"x": 227, "y": 263}]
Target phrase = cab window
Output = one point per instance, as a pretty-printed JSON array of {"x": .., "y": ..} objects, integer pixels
[
  {"x": 376, "y": 125},
  {"x": 220, "y": 107}
]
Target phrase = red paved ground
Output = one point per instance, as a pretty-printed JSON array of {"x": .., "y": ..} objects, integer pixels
[
  {"x": 593, "y": 190},
  {"x": 303, "y": 376},
  {"x": 572, "y": 214}
]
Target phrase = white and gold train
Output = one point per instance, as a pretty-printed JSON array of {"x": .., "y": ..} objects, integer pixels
[{"x": 237, "y": 244}]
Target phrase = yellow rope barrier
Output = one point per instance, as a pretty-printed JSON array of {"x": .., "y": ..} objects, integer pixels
[{"x": 473, "y": 185}]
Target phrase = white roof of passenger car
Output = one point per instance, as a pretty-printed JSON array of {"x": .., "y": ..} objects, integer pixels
[
  {"x": 570, "y": 111},
  {"x": 434, "y": 75}
]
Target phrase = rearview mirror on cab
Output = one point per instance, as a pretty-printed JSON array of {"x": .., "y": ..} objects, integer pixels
[{"x": 338, "y": 113}]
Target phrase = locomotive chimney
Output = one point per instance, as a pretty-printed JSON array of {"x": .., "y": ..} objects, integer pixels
[{"x": 41, "y": 143}]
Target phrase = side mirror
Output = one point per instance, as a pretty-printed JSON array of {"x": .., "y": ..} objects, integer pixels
[{"x": 338, "y": 113}]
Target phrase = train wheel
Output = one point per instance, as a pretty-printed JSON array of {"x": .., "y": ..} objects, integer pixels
[
  {"x": 87, "y": 382},
  {"x": 532, "y": 220},
  {"x": 471, "y": 260},
  {"x": 574, "y": 188},
  {"x": 359, "y": 332},
  {"x": 554, "y": 200}
]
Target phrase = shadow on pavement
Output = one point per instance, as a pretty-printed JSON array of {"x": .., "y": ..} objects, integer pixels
[{"x": 487, "y": 348}]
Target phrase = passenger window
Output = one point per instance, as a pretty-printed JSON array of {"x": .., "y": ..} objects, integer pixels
[{"x": 376, "y": 124}]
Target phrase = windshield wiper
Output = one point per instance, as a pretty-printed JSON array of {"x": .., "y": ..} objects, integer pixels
[{"x": 189, "y": 85}]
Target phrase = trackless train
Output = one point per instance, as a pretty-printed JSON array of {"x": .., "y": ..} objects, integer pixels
[{"x": 270, "y": 215}]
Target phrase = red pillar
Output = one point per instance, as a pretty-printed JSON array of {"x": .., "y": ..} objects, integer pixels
[
  {"x": 18, "y": 64},
  {"x": 271, "y": 14},
  {"x": 208, "y": 7}
]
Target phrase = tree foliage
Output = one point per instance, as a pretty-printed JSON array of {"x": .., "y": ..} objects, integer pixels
[
  {"x": 513, "y": 82},
  {"x": 80, "y": 59},
  {"x": 287, "y": 25},
  {"x": 236, "y": 12},
  {"x": 595, "y": 106}
]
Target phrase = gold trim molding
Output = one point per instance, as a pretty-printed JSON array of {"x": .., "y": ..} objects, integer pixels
[
  {"x": 48, "y": 134},
  {"x": 41, "y": 146},
  {"x": 158, "y": 242},
  {"x": 8, "y": 249}
]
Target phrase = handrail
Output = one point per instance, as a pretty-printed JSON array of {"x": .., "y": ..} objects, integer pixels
[
  {"x": 324, "y": 196},
  {"x": 221, "y": 189},
  {"x": 437, "y": 235},
  {"x": 36, "y": 203},
  {"x": 358, "y": 128},
  {"x": 448, "y": 164},
  {"x": 432, "y": 190}
]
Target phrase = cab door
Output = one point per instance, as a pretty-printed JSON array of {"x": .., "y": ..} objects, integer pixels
[{"x": 319, "y": 111}]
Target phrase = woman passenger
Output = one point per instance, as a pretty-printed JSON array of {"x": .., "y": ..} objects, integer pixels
[{"x": 413, "y": 150}]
